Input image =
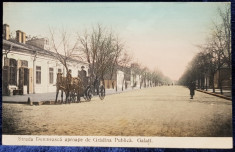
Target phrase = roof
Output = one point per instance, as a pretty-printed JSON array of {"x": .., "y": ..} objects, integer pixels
[
  {"x": 10, "y": 43},
  {"x": 32, "y": 49}
]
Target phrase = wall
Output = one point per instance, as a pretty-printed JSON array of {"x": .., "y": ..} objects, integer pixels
[
  {"x": 45, "y": 63},
  {"x": 108, "y": 84},
  {"x": 135, "y": 79},
  {"x": 120, "y": 78}
]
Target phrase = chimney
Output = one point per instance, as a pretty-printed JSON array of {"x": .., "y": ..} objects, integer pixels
[
  {"x": 42, "y": 43},
  {"x": 19, "y": 36},
  {"x": 6, "y": 32},
  {"x": 23, "y": 39}
]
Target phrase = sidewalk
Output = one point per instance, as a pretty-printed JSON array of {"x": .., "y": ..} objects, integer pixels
[
  {"x": 226, "y": 93},
  {"x": 40, "y": 97}
]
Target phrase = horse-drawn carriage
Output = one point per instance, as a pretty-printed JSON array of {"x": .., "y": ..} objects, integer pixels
[{"x": 77, "y": 87}]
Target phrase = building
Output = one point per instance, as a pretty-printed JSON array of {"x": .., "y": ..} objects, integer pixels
[
  {"x": 120, "y": 80},
  {"x": 225, "y": 77},
  {"x": 135, "y": 79},
  {"x": 29, "y": 66}
]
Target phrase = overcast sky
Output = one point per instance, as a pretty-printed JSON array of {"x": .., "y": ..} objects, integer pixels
[{"x": 159, "y": 35}]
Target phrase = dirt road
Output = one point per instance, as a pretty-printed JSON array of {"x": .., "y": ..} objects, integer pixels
[{"x": 159, "y": 111}]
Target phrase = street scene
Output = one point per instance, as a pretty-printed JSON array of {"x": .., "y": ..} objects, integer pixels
[
  {"x": 133, "y": 69},
  {"x": 159, "y": 111}
]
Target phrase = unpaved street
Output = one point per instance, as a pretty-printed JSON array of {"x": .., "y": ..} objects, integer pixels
[{"x": 159, "y": 111}]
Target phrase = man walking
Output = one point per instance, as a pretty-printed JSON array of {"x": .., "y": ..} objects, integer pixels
[{"x": 192, "y": 88}]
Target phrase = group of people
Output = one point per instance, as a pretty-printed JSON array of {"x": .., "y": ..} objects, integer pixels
[{"x": 83, "y": 76}]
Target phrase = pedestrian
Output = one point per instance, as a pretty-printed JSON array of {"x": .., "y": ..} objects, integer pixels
[
  {"x": 96, "y": 84},
  {"x": 69, "y": 76},
  {"x": 83, "y": 76},
  {"x": 192, "y": 88}
]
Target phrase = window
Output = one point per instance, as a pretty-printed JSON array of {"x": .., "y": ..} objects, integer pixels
[
  {"x": 38, "y": 74},
  {"x": 51, "y": 75},
  {"x": 17, "y": 35},
  {"x": 13, "y": 72},
  {"x": 26, "y": 76},
  {"x": 24, "y": 63},
  {"x": 59, "y": 71}
]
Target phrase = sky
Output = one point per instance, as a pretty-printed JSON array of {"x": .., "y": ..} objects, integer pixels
[{"x": 159, "y": 35}]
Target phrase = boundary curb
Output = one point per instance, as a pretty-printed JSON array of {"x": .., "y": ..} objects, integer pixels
[{"x": 214, "y": 94}]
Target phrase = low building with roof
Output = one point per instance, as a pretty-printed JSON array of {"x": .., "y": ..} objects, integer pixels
[{"x": 29, "y": 66}]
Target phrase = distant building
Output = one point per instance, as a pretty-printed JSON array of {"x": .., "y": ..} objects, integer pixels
[
  {"x": 120, "y": 79},
  {"x": 207, "y": 81},
  {"x": 135, "y": 79},
  {"x": 225, "y": 76}
]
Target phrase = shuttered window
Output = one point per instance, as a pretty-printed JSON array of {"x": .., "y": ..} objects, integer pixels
[
  {"x": 51, "y": 74},
  {"x": 13, "y": 72},
  {"x": 38, "y": 74}
]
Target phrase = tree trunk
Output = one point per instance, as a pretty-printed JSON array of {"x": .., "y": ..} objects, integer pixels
[
  {"x": 108, "y": 86},
  {"x": 213, "y": 83},
  {"x": 203, "y": 81},
  {"x": 133, "y": 82},
  {"x": 199, "y": 83},
  {"x": 220, "y": 83},
  {"x": 122, "y": 83}
]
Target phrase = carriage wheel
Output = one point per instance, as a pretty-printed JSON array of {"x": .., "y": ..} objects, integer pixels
[
  {"x": 88, "y": 94},
  {"x": 78, "y": 98},
  {"x": 101, "y": 92},
  {"x": 73, "y": 97}
]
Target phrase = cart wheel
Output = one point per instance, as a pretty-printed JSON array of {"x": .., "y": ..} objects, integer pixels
[
  {"x": 78, "y": 98},
  {"x": 72, "y": 97},
  {"x": 88, "y": 94},
  {"x": 101, "y": 92}
]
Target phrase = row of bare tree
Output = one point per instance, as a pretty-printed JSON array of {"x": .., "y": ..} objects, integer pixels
[
  {"x": 214, "y": 57},
  {"x": 148, "y": 77},
  {"x": 104, "y": 51},
  {"x": 100, "y": 48}
]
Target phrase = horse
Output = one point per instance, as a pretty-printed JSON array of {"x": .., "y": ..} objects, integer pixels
[
  {"x": 76, "y": 88},
  {"x": 62, "y": 84}
]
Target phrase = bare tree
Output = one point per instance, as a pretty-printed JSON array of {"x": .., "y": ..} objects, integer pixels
[
  {"x": 135, "y": 70},
  {"x": 215, "y": 51},
  {"x": 102, "y": 50},
  {"x": 224, "y": 28},
  {"x": 124, "y": 63},
  {"x": 219, "y": 45},
  {"x": 63, "y": 49},
  {"x": 115, "y": 56},
  {"x": 200, "y": 67},
  {"x": 143, "y": 72},
  {"x": 214, "y": 55}
]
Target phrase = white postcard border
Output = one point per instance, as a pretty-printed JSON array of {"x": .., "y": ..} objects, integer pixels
[{"x": 120, "y": 141}]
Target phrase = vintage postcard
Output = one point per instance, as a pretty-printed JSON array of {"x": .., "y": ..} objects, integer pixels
[{"x": 117, "y": 74}]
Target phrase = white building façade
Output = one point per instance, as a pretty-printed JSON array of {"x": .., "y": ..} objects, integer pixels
[{"x": 28, "y": 66}]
